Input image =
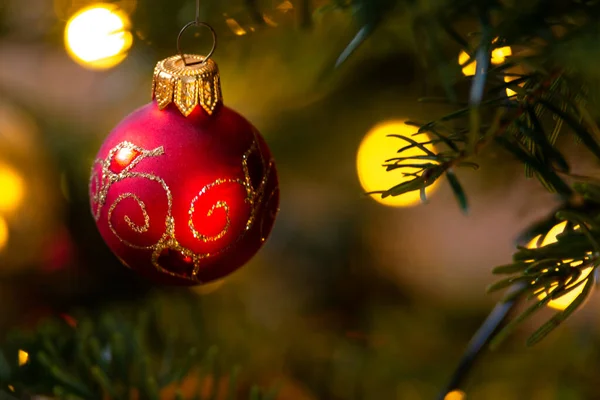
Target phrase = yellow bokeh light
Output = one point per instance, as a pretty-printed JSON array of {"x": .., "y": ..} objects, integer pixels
[
  {"x": 376, "y": 148},
  {"x": 23, "y": 357},
  {"x": 509, "y": 91},
  {"x": 98, "y": 36},
  {"x": 235, "y": 27},
  {"x": 3, "y": 233},
  {"x": 12, "y": 189},
  {"x": 498, "y": 56},
  {"x": 516, "y": 74},
  {"x": 455, "y": 395},
  {"x": 468, "y": 69},
  {"x": 564, "y": 301}
]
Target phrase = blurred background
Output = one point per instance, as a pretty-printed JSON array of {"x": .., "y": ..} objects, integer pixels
[{"x": 350, "y": 298}]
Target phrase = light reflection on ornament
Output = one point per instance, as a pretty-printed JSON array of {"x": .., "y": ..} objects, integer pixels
[
  {"x": 376, "y": 148},
  {"x": 498, "y": 56},
  {"x": 125, "y": 156},
  {"x": 455, "y": 395},
  {"x": 3, "y": 233},
  {"x": 564, "y": 301},
  {"x": 98, "y": 37},
  {"x": 12, "y": 189}
]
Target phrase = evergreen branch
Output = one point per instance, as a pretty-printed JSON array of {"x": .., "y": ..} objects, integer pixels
[
  {"x": 560, "y": 317},
  {"x": 481, "y": 338},
  {"x": 119, "y": 361},
  {"x": 482, "y": 60},
  {"x": 459, "y": 192}
]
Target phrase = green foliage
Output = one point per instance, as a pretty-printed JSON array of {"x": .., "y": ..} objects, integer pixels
[
  {"x": 114, "y": 355},
  {"x": 554, "y": 96}
]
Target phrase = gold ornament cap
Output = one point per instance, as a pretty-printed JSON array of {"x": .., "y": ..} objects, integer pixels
[{"x": 195, "y": 82}]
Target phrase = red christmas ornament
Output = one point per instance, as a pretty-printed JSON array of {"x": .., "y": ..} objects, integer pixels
[{"x": 184, "y": 190}]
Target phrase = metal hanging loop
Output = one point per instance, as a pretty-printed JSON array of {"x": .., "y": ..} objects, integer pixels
[{"x": 198, "y": 24}]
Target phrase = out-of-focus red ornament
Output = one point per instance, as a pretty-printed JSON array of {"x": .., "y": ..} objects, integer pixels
[{"x": 184, "y": 190}]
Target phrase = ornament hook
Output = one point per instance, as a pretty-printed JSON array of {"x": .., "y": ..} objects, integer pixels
[{"x": 196, "y": 23}]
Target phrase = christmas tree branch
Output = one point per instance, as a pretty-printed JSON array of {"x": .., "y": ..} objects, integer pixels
[
  {"x": 550, "y": 92},
  {"x": 477, "y": 344},
  {"x": 109, "y": 356}
]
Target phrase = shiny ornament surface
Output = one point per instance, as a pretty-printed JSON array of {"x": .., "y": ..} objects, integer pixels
[{"x": 184, "y": 199}]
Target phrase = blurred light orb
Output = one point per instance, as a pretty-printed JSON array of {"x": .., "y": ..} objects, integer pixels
[
  {"x": 564, "y": 301},
  {"x": 468, "y": 69},
  {"x": 3, "y": 233},
  {"x": 98, "y": 36},
  {"x": 509, "y": 91},
  {"x": 455, "y": 395},
  {"x": 377, "y": 147},
  {"x": 498, "y": 56},
  {"x": 23, "y": 357},
  {"x": 12, "y": 189},
  {"x": 516, "y": 72},
  {"x": 235, "y": 27}
]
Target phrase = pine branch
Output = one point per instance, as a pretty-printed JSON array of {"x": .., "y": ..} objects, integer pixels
[{"x": 107, "y": 356}]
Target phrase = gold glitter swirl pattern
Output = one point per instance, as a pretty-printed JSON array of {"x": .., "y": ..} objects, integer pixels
[
  {"x": 219, "y": 204},
  {"x": 132, "y": 225},
  {"x": 101, "y": 181},
  {"x": 108, "y": 177},
  {"x": 95, "y": 188},
  {"x": 142, "y": 206}
]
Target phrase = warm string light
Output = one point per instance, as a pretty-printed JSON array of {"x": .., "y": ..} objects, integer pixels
[
  {"x": 98, "y": 36},
  {"x": 498, "y": 56},
  {"x": 512, "y": 74},
  {"x": 564, "y": 301},
  {"x": 455, "y": 395},
  {"x": 3, "y": 233},
  {"x": 12, "y": 189},
  {"x": 376, "y": 148},
  {"x": 23, "y": 357}
]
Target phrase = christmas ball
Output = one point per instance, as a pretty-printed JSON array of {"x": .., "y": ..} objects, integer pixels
[{"x": 184, "y": 190}]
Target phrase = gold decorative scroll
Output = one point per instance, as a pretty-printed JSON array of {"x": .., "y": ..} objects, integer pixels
[
  {"x": 103, "y": 177},
  {"x": 198, "y": 83}
]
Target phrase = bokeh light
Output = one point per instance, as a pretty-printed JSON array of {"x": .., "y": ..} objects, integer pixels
[
  {"x": 513, "y": 74},
  {"x": 455, "y": 395},
  {"x": 235, "y": 27},
  {"x": 564, "y": 301},
  {"x": 498, "y": 56},
  {"x": 98, "y": 36},
  {"x": 376, "y": 148},
  {"x": 509, "y": 91},
  {"x": 468, "y": 69},
  {"x": 23, "y": 357},
  {"x": 3, "y": 233},
  {"x": 12, "y": 189}
]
